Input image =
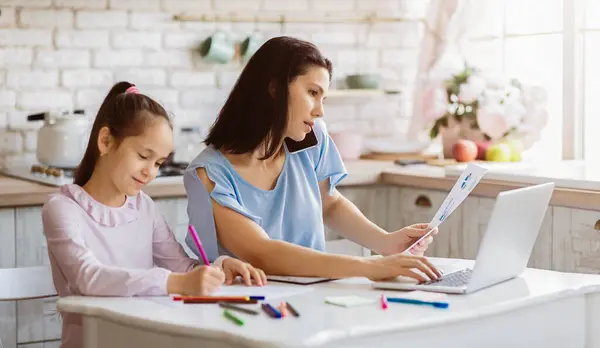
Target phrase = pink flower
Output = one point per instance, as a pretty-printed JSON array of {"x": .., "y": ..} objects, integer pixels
[
  {"x": 492, "y": 121},
  {"x": 435, "y": 103}
]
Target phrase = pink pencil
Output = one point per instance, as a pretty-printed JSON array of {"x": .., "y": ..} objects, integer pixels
[
  {"x": 198, "y": 244},
  {"x": 384, "y": 304}
]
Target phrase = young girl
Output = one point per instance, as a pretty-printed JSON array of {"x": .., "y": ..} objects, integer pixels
[{"x": 105, "y": 236}]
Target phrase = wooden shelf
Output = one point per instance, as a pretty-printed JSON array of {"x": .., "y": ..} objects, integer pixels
[{"x": 359, "y": 93}]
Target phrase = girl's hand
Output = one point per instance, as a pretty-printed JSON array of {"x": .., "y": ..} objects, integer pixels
[
  {"x": 201, "y": 281},
  {"x": 234, "y": 267}
]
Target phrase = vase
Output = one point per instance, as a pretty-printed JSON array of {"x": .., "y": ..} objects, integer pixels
[{"x": 457, "y": 130}]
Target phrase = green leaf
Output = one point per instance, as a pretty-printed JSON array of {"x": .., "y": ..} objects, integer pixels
[{"x": 433, "y": 133}]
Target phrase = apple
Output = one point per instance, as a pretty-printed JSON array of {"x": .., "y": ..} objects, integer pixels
[
  {"x": 482, "y": 147},
  {"x": 464, "y": 150},
  {"x": 516, "y": 149},
  {"x": 498, "y": 153}
]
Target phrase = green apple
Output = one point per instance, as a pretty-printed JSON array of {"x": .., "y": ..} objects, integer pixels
[
  {"x": 498, "y": 153},
  {"x": 516, "y": 149}
]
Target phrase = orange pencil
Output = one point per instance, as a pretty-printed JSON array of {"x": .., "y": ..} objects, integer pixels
[{"x": 283, "y": 309}]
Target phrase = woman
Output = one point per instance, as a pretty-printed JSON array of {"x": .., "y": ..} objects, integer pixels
[{"x": 265, "y": 185}]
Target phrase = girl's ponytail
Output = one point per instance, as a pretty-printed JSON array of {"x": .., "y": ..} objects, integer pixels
[{"x": 125, "y": 112}]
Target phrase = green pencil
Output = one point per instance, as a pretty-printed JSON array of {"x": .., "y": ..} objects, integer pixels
[{"x": 227, "y": 314}]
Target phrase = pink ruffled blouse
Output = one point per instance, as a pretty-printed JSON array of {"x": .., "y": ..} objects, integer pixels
[{"x": 98, "y": 250}]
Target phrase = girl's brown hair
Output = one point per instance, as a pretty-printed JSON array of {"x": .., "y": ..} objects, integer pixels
[{"x": 125, "y": 113}]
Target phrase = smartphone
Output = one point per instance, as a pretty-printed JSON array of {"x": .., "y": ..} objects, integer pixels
[
  {"x": 296, "y": 146},
  {"x": 407, "y": 162}
]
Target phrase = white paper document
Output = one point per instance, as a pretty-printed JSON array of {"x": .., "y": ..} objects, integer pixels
[
  {"x": 466, "y": 182},
  {"x": 270, "y": 291}
]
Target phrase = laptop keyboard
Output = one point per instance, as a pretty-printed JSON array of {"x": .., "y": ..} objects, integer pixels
[{"x": 455, "y": 279}]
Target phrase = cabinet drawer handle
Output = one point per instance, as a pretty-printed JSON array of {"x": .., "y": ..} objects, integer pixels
[
  {"x": 597, "y": 225},
  {"x": 423, "y": 201}
]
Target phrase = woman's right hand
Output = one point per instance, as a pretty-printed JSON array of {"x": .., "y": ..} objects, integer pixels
[
  {"x": 200, "y": 281},
  {"x": 388, "y": 267}
]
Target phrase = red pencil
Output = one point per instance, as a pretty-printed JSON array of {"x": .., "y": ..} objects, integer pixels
[{"x": 218, "y": 298}]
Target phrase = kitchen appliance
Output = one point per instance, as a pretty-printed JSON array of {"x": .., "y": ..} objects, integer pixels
[
  {"x": 62, "y": 140},
  {"x": 169, "y": 172}
]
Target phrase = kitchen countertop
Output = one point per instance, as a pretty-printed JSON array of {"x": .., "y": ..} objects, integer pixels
[{"x": 15, "y": 192}]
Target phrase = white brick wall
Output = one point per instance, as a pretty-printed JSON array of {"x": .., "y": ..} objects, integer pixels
[
  {"x": 288, "y": 5},
  {"x": 237, "y": 5},
  {"x": 10, "y": 142},
  {"x": 143, "y": 77},
  {"x": 120, "y": 58},
  {"x": 14, "y": 56},
  {"x": 137, "y": 39},
  {"x": 43, "y": 100},
  {"x": 153, "y": 21},
  {"x": 31, "y": 18},
  {"x": 81, "y": 4},
  {"x": 68, "y": 53},
  {"x": 25, "y": 37},
  {"x": 8, "y": 18},
  {"x": 75, "y": 78},
  {"x": 27, "y": 3},
  {"x": 183, "y": 39},
  {"x": 169, "y": 59},
  {"x": 145, "y": 5},
  {"x": 63, "y": 59},
  {"x": 193, "y": 79},
  {"x": 183, "y": 6},
  {"x": 101, "y": 19},
  {"x": 82, "y": 39},
  {"x": 28, "y": 80},
  {"x": 7, "y": 99}
]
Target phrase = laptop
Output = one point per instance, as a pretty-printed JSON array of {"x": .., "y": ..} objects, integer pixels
[{"x": 505, "y": 249}]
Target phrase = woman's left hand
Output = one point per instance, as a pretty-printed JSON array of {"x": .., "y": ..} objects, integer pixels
[
  {"x": 234, "y": 267},
  {"x": 398, "y": 241}
]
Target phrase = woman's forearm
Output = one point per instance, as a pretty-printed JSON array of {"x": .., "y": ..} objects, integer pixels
[
  {"x": 347, "y": 220},
  {"x": 282, "y": 258}
]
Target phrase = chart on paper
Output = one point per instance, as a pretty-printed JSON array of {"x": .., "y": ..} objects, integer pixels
[{"x": 466, "y": 182}]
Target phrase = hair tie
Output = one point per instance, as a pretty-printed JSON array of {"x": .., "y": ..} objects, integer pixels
[{"x": 133, "y": 89}]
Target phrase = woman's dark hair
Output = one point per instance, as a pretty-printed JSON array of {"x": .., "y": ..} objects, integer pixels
[
  {"x": 125, "y": 112},
  {"x": 256, "y": 110}
]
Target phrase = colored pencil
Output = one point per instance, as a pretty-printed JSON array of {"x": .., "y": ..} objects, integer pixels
[
  {"x": 239, "y": 309},
  {"x": 292, "y": 310},
  {"x": 227, "y": 314}
]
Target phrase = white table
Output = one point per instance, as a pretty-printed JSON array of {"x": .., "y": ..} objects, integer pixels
[{"x": 538, "y": 309}]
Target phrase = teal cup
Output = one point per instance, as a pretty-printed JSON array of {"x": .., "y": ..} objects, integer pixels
[
  {"x": 249, "y": 46},
  {"x": 217, "y": 48}
]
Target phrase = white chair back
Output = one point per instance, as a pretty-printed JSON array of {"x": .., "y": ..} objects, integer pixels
[{"x": 26, "y": 283}]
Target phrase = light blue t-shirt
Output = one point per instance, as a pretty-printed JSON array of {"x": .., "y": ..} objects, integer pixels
[{"x": 291, "y": 212}]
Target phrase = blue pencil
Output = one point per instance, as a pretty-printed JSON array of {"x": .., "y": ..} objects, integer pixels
[{"x": 418, "y": 302}]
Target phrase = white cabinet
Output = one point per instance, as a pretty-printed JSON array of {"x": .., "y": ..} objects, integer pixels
[
  {"x": 576, "y": 240},
  {"x": 409, "y": 206},
  {"x": 372, "y": 202},
  {"x": 8, "y": 309},
  {"x": 37, "y": 320}
]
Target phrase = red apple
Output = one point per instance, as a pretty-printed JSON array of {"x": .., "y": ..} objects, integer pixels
[
  {"x": 482, "y": 148},
  {"x": 465, "y": 150}
]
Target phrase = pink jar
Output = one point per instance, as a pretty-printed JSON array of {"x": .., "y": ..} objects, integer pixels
[{"x": 349, "y": 144}]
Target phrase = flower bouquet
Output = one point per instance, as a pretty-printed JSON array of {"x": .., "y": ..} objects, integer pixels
[{"x": 483, "y": 109}]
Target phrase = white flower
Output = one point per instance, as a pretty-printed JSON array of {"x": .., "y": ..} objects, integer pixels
[
  {"x": 435, "y": 102},
  {"x": 472, "y": 89}
]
